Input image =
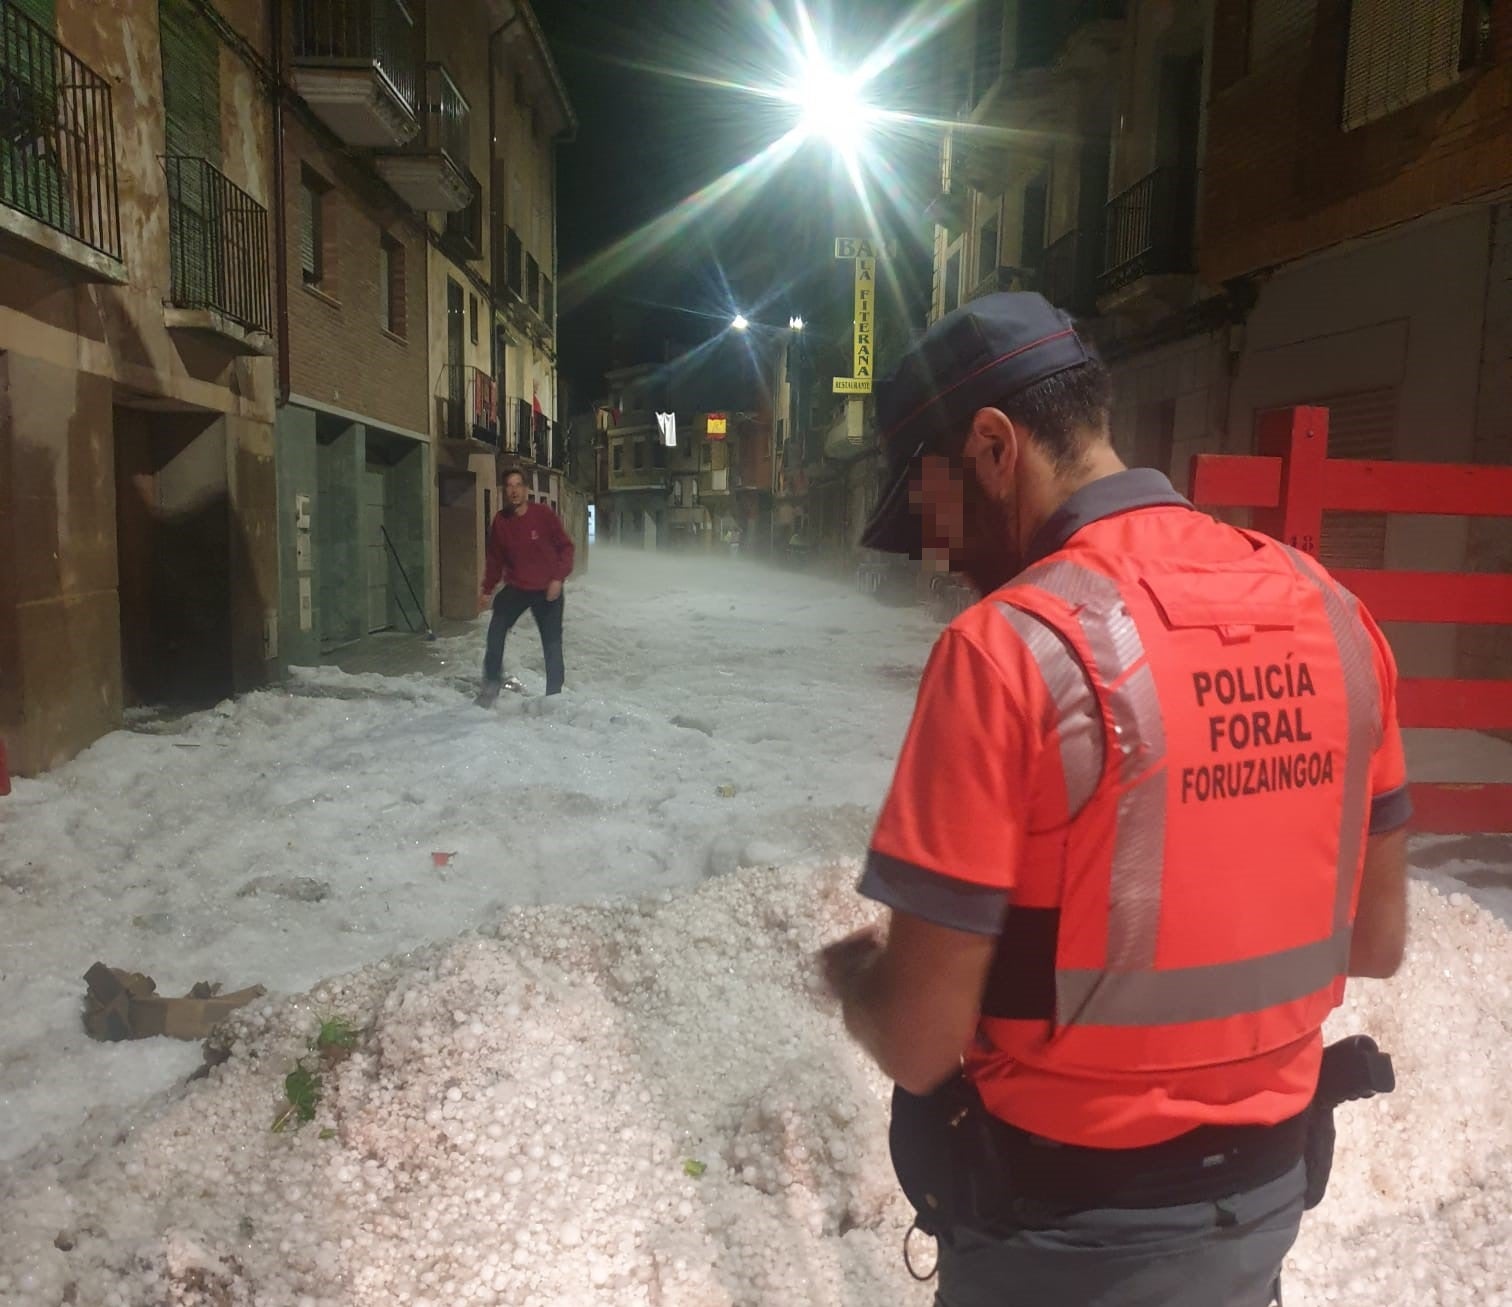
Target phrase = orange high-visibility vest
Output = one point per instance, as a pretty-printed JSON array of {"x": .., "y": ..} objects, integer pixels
[{"x": 1189, "y": 932}]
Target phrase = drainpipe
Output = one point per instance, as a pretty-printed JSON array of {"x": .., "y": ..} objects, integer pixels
[
  {"x": 280, "y": 203},
  {"x": 495, "y": 205}
]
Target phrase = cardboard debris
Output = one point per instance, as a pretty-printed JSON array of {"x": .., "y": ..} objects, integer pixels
[{"x": 126, "y": 1005}]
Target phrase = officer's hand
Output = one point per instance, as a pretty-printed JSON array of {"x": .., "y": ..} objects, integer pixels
[
  {"x": 483, "y": 601},
  {"x": 553, "y": 592},
  {"x": 846, "y": 960}
]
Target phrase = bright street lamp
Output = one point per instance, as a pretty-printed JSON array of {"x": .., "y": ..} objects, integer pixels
[
  {"x": 831, "y": 105},
  {"x": 740, "y": 323},
  {"x": 795, "y": 324}
]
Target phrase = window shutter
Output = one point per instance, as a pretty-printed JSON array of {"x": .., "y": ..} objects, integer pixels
[
  {"x": 1276, "y": 24},
  {"x": 386, "y": 285},
  {"x": 39, "y": 11},
  {"x": 191, "y": 82},
  {"x": 309, "y": 233},
  {"x": 1400, "y": 51}
]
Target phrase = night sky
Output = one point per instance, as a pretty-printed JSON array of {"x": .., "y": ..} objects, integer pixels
[{"x": 648, "y": 139}]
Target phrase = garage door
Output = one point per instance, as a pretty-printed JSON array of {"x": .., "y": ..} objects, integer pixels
[{"x": 1360, "y": 425}]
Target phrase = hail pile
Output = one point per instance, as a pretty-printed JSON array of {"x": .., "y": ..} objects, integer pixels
[{"x": 652, "y": 1104}]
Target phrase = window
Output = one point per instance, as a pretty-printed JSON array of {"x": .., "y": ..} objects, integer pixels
[
  {"x": 987, "y": 246},
  {"x": 1400, "y": 52},
  {"x": 619, "y": 455},
  {"x": 1032, "y": 248},
  {"x": 312, "y": 230},
  {"x": 658, "y": 455},
  {"x": 391, "y": 285},
  {"x": 640, "y": 455},
  {"x": 952, "y": 288},
  {"x": 1275, "y": 24},
  {"x": 472, "y": 318}
]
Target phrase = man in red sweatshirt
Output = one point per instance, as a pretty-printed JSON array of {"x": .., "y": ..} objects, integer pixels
[{"x": 532, "y": 554}]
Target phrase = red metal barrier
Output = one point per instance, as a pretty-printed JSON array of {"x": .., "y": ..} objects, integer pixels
[{"x": 1290, "y": 484}]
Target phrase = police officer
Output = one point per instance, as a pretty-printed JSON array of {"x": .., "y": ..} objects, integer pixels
[{"x": 1147, "y": 819}]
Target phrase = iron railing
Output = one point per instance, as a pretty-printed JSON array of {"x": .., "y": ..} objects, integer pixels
[
  {"x": 470, "y": 404},
  {"x": 1149, "y": 229},
  {"x": 532, "y": 435},
  {"x": 218, "y": 244},
  {"x": 1068, "y": 278},
  {"x": 57, "y": 136},
  {"x": 446, "y": 119},
  {"x": 376, "y": 34},
  {"x": 515, "y": 427}
]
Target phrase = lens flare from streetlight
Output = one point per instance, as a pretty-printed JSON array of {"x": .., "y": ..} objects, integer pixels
[
  {"x": 740, "y": 323},
  {"x": 831, "y": 106}
]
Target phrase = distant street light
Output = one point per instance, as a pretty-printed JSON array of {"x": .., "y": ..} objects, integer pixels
[
  {"x": 740, "y": 323},
  {"x": 795, "y": 324}
]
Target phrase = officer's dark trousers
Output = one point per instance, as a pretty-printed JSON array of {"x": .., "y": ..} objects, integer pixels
[
  {"x": 509, "y": 606},
  {"x": 1200, "y": 1255}
]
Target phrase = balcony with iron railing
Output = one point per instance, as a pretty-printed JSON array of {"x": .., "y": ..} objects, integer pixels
[
  {"x": 219, "y": 281},
  {"x": 1149, "y": 231},
  {"x": 432, "y": 174},
  {"x": 468, "y": 404},
  {"x": 355, "y": 64},
  {"x": 58, "y": 187},
  {"x": 1068, "y": 278}
]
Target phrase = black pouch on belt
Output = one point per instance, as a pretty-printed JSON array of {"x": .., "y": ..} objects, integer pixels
[
  {"x": 1353, "y": 1068},
  {"x": 943, "y": 1155}
]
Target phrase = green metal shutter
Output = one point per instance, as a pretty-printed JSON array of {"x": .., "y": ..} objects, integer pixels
[
  {"x": 191, "y": 104},
  {"x": 191, "y": 82},
  {"x": 40, "y": 11}
]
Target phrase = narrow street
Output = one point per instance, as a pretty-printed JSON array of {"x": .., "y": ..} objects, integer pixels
[
  {"x": 290, "y": 835},
  {"x": 641, "y": 1095}
]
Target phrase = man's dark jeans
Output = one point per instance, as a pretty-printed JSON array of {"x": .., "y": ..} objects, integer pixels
[{"x": 509, "y": 606}]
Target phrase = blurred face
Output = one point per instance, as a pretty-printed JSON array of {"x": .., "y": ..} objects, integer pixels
[
  {"x": 968, "y": 505},
  {"x": 514, "y": 491}
]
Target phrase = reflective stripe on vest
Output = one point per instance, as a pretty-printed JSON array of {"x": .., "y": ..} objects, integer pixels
[{"x": 1129, "y": 990}]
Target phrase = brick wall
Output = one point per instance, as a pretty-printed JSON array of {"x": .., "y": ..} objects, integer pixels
[
  {"x": 1283, "y": 179},
  {"x": 1486, "y": 651},
  {"x": 340, "y": 351}
]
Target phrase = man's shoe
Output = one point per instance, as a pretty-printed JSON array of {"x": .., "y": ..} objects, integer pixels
[
  {"x": 488, "y": 694},
  {"x": 514, "y": 685}
]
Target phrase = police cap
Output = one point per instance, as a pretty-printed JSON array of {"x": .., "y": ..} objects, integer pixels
[{"x": 971, "y": 359}]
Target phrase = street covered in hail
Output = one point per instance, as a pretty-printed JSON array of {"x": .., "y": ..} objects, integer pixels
[{"x": 543, "y": 1024}]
